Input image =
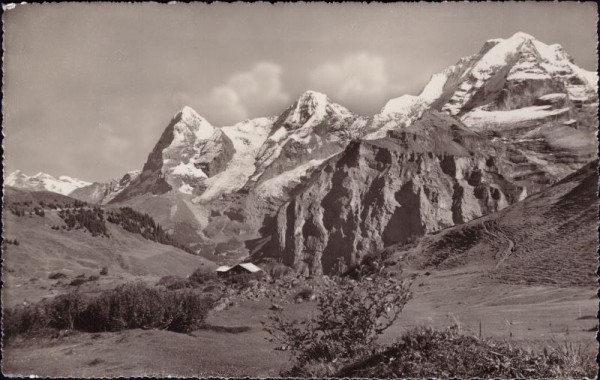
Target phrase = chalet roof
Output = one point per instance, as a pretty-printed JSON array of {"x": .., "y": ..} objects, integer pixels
[{"x": 249, "y": 267}]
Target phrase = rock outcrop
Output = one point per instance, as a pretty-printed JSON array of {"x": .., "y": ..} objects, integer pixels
[
  {"x": 104, "y": 192},
  {"x": 432, "y": 175}
]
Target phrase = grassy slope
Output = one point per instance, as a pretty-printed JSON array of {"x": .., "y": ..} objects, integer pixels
[
  {"x": 42, "y": 251},
  {"x": 548, "y": 239},
  {"x": 13, "y": 195}
]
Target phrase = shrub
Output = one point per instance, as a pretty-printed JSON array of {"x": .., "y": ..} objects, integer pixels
[
  {"x": 22, "y": 320},
  {"x": 126, "y": 307},
  {"x": 304, "y": 294},
  {"x": 94, "y": 277},
  {"x": 350, "y": 318},
  {"x": 425, "y": 352},
  {"x": 201, "y": 276},
  {"x": 280, "y": 271},
  {"x": 104, "y": 271},
  {"x": 174, "y": 282},
  {"x": 64, "y": 310},
  {"x": 78, "y": 281},
  {"x": 241, "y": 280},
  {"x": 56, "y": 276},
  {"x": 138, "y": 306}
]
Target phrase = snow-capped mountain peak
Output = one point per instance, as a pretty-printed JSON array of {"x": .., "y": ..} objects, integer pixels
[
  {"x": 311, "y": 108},
  {"x": 43, "y": 181},
  {"x": 191, "y": 126}
]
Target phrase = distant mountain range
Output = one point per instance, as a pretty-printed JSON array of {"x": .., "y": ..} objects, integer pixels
[{"x": 318, "y": 186}]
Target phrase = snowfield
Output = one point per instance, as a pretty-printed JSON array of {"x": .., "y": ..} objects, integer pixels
[
  {"x": 247, "y": 137},
  {"x": 481, "y": 119},
  {"x": 43, "y": 181}
]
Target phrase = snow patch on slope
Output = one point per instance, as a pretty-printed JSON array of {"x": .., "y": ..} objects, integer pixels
[
  {"x": 278, "y": 186},
  {"x": 483, "y": 119},
  {"x": 188, "y": 170},
  {"x": 247, "y": 137},
  {"x": 299, "y": 123}
]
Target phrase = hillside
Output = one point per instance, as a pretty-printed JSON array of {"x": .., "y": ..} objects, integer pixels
[
  {"x": 550, "y": 238},
  {"x": 42, "y": 250}
]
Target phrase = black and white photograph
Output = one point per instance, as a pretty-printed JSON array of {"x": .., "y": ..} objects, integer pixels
[{"x": 300, "y": 190}]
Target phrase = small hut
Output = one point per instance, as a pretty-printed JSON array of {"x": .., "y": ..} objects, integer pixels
[
  {"x": 244, "y": 268},
  {"x": 222, "y": 270},
  {"x": 247, "y": 268}
]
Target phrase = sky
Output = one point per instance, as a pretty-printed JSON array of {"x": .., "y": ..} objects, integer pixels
[{"x": 89, "y": 88}]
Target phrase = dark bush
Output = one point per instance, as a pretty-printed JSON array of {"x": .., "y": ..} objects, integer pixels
[
  {"x": 279, "y": 271},
  {"x": 304, "y": 294},
  {"x": 241, "y": 280},
  {"x": 22, "y": 320},
  {"x": 64, "y": 310},
  {"x": 56, "y": 276},
  {"x": 78, "y": 281},
  {"x": 202, "y": 276},
  {"x": 94, "y": 277},
  {"x": 90, "y": 219},
  {"x": 424, "y": 353},
  {"x": 174, "y": 282},
  {"x": 126, "y": 307},
  {"x": 104, "y": 271},
  {"x": 138, "y": 306}
]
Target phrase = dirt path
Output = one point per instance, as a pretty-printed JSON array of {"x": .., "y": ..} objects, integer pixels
[{"x": 510, "y": 249}]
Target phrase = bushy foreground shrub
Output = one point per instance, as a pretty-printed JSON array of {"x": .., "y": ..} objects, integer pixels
[
  {"x": 138, "y": 306},
  {"x": 349, "y": 319},
  {"x": 126, "y": 307},
  {"x": 425, "y": 352},
  {"x": 201, "y": 278}
]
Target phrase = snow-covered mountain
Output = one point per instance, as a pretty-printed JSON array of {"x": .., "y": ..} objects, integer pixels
[
  {"x": 247, "y": 138},
  {"x": 42, "y": 181},
  {"x": 104, "y": 192},
  {"x": 526, "y": 94},
  {"x": 484, "y": 133},
  {"x": 311, "y": 130},
  {"x": 493, "y": 128}
]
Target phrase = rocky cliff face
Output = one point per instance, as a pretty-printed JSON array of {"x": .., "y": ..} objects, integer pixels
[{"x": 432, "y": 175}]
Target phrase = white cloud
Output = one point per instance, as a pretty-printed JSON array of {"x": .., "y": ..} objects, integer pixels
[
  {"x": 255, "y": 92},
  {"x": 358, "y": 79}
]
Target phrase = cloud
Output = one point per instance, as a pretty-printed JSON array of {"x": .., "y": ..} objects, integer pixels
[
  {"x": 251, "y": 93},
  {"x": 359, "y": 80}
]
